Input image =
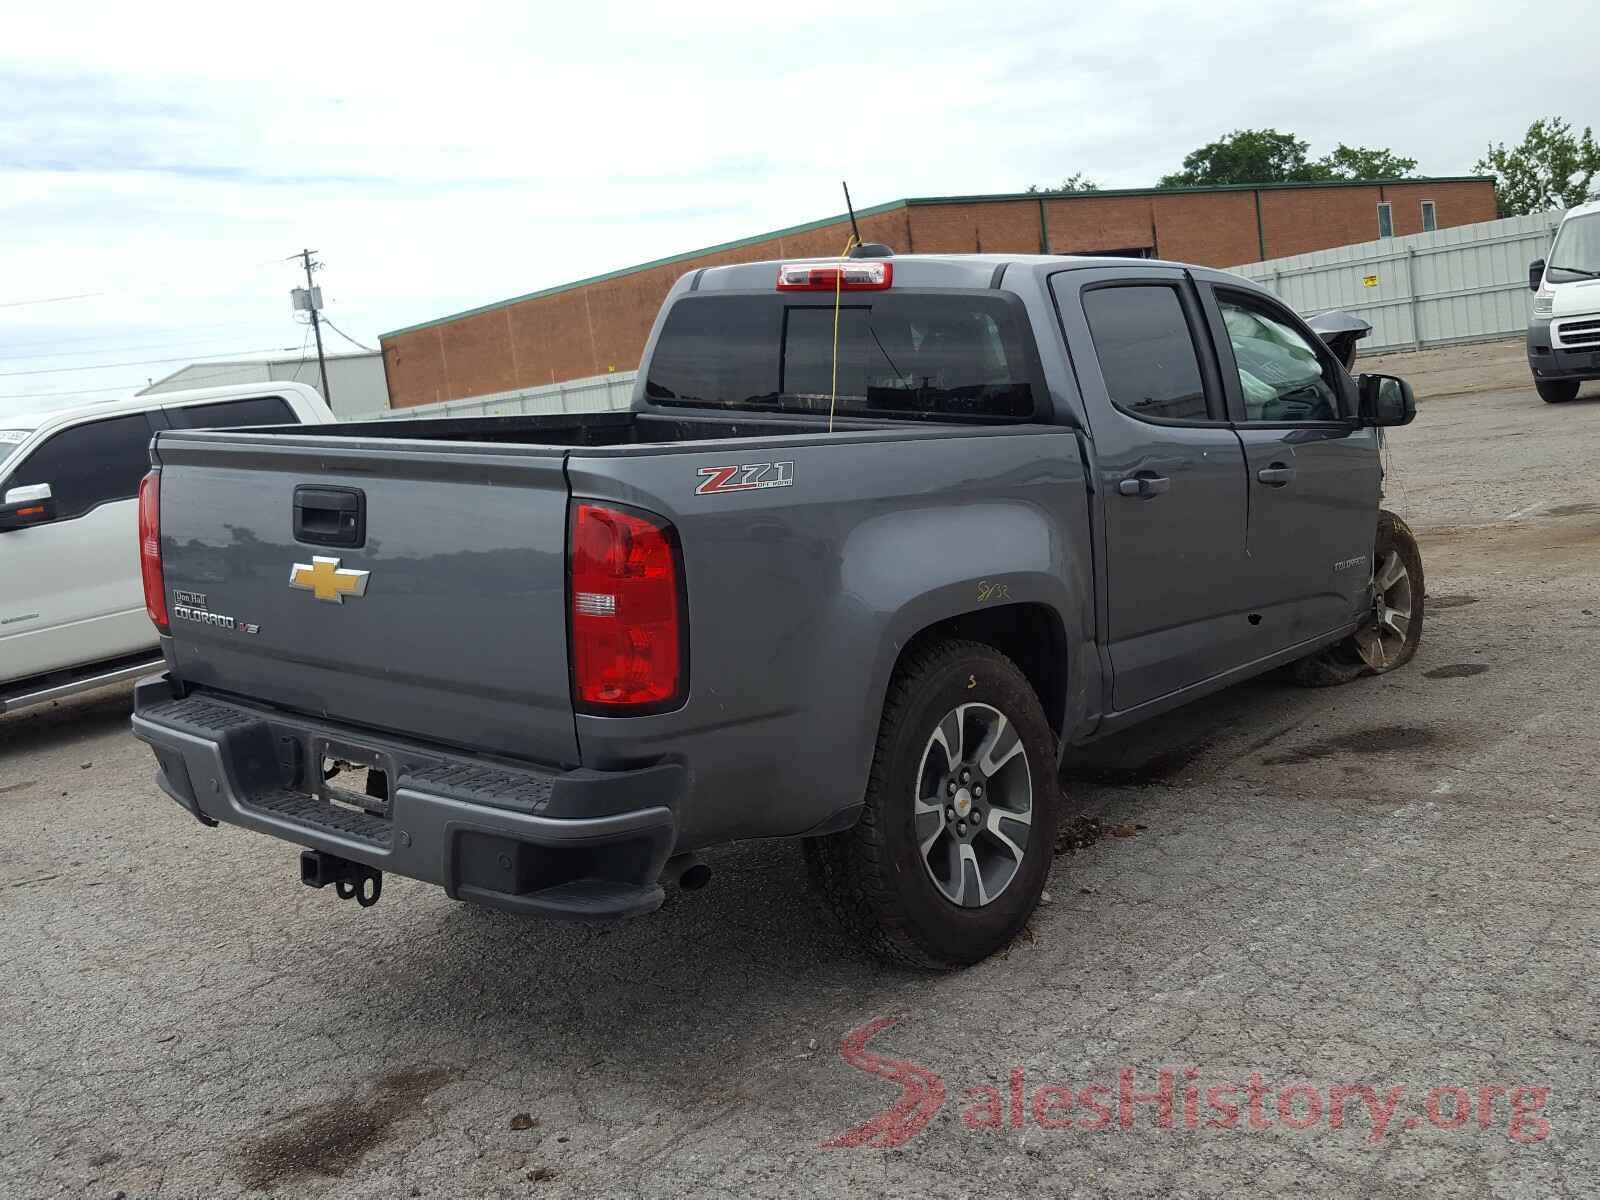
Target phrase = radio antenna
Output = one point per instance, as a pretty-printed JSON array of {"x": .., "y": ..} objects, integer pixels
[{"x": 851, "y": 209}]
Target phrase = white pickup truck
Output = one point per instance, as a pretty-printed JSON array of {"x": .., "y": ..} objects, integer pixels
[{"x": 71, "y": 599}]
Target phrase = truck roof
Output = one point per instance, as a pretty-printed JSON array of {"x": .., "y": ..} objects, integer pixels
[
  {"x": 924, "y": 270},
  {"x": 29, "y": 419}
]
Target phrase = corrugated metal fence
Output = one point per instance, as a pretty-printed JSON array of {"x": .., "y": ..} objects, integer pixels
[
  {"x": 599, "y": 393},
  {"x": 1468, "y": 283}
]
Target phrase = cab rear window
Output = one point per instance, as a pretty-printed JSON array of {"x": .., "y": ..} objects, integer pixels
[{"x": 934, "y": 356}]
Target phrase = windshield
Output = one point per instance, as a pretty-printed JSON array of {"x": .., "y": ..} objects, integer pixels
[
  {"x": 919, "y": 355},
  {"x": 1576, "y": 254}
]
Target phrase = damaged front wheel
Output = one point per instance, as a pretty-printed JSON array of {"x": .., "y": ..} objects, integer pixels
[{"x": 1392, "y": 628}]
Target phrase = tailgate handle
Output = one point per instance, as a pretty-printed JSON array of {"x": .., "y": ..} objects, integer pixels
[{"x": 325, "y": 516}]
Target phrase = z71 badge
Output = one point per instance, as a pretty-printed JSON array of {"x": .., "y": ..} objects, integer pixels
[{"x": 748, "y": 478}]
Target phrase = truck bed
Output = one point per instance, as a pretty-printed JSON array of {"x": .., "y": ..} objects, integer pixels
[
  {"x": 584, "y": 429},
  {"x": 452, "y": 621}
]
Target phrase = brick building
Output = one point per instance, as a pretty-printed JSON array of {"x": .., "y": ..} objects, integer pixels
[{"x": 597, "y": 325}]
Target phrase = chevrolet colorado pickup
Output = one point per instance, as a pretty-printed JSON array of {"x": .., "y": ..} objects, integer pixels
[{"x": 878, "y": 539}]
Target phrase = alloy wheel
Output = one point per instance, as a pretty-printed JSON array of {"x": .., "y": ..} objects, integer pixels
[
  {"x": 1382, "y": 639},
  {"x": 973, "y": 808}
]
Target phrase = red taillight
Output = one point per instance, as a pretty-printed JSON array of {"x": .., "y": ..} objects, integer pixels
[
  {"x": 627, "y": 610},
  {"x": 848, "y": 276},
  {"x": 155, "y": 591}
]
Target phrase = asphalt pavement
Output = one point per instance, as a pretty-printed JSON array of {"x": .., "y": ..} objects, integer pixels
[{"x": 1360, "y": 919}]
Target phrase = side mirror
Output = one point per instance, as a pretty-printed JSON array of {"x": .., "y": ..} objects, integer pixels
[
  {"x": 1386, "y": 400},
  {"x": 24, "y": 506},
  {"x": 1535, "y": 274}
]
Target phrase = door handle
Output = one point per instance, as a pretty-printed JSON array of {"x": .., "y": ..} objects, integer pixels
[
  {"x": 1277, "y": 475},
  {"x": 1144, "y": 486}
]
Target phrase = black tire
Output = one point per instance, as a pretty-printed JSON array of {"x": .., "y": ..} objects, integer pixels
[
  {"x": 873, "y": 875},
  {"x": 1556, "y": 391},
  {"x": 1345, "y": 661}
]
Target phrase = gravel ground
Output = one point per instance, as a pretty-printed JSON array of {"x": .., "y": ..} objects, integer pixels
[{"x": 1386, "y": 885}]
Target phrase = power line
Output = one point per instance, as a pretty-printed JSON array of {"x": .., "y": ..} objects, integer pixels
[
  {"x": 159, "y": 332},
  {"x": 329, "y": 323},
  {"x": 128, "y": 387},
  {"x": 112, "y": 350},
  {"x": 50, "y": 300},
  {"x": 305, "y": 353},
  {"x": 146, "y": 362},
  {"x": 136, "y": 290}
]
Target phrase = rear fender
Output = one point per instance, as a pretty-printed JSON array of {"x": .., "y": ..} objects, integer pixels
[{"x": 917, "y": 569}]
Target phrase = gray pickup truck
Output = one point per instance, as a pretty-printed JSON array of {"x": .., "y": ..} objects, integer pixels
[{"x": 880, "y": 538}]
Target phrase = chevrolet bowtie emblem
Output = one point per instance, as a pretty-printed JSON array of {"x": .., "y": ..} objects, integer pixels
[{"x": 325, "y": 580}]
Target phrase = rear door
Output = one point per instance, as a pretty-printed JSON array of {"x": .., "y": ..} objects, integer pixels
[
  {"x": 1313, "y": 474},
  {"x": 414, "y": 587},
  {"x": 1170, "y": 474}
]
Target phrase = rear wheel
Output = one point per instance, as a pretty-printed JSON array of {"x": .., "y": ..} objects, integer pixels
[
  {"x": 1556, "y": 391},
  {"x": 957, "y": 835},
  {"x": 1389, "y": 636}
]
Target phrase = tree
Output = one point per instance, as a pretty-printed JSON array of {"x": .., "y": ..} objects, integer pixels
[
  {"x": 1243, "y": 156},
  {"x": 1358, "y": 162},
  {"x": 1272, "y": 156},
  {"x": 1552, "y": 168},
  {"x": 1076, "y": 182}
]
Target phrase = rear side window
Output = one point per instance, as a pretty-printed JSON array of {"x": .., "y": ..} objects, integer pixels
[
  {"x": 923, "y": 355},
  {"x": 1146, "y": 352},
  {"x": 232, "y": 414},
  {"x": 89, "y": 465}
]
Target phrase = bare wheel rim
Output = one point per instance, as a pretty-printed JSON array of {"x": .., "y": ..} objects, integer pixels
[
  {"x": 1381, "y": 641},
  {"x": 973, "y": 806}
]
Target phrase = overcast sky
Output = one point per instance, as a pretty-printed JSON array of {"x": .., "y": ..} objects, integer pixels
[{"x": 165, "y": 158}]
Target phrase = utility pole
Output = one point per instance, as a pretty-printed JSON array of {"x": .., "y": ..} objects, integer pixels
[{"x": 313, "y": 302}]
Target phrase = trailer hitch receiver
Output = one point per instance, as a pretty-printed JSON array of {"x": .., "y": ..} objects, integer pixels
[{"x": 351, "y": 880}]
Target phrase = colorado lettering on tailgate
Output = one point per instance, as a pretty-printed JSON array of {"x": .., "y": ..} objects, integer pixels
[{"x": 747, "y": 478}]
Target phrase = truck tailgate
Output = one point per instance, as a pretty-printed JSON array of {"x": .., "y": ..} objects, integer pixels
[{"x": 457, "y": 629}]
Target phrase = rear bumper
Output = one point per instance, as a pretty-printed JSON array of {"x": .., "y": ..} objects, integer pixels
[
  {"x": 578, "y": 844},
  {"x": 1548, "y": 361}
]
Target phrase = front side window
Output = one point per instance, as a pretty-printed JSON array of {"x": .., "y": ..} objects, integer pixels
[
  {"x": 1280, "y": 373},
  {"x": 1576, "y": 253},
  {"x": 1385, "y": 220},
  {"x": 1146, "y": 352},
  {"x": 89, "y": 465},
  {"x": 929, "y": 355}
]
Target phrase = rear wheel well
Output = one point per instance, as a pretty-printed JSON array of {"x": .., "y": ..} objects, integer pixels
[{"x": 1030, "y": 635}]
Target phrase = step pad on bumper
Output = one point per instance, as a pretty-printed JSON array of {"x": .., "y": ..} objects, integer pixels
[
  {"x": 202, "y": 716},
  {"x": 482, "y": 785},
  {"x": 318, "y": 813}
]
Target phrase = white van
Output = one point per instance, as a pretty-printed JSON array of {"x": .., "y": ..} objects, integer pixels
[
  {"x": 1564, "y": 330},
  {"x": 71, "y": 600}
]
